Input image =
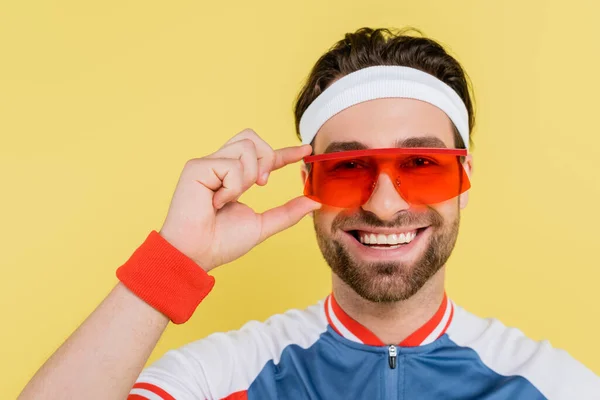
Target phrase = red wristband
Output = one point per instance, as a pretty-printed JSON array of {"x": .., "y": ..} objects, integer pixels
[{"x": 165, "y": 278}]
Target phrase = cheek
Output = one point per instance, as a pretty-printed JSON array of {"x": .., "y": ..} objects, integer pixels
[
  {"x": 464, "y": 199},
  {"x": 448, "y": 210},
  {"x": 322, "y": 222},
  {"x": 323, "y": 218}
]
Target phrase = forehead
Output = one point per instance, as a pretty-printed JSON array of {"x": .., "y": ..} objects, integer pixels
[{"x": 383, "y": 123}]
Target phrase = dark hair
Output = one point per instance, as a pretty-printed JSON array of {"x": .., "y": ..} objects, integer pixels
[{"x": 370, "y": 47}]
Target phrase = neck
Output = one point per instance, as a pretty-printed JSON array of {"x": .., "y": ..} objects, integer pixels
[{"x": 392, "y": 322}]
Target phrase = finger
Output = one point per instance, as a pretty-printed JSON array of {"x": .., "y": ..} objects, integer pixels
[
  {"x": 265, "y": 153},
  {"x": 223, "y": 176},
  {"x": 245, "y": 151},
  {"x": 290, "y": 155},
  {"x": 285, "y": 216},
  {"x": 232, "y": 185}
]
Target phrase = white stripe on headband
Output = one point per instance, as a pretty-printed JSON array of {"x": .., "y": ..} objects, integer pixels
[{"x": 383, "y": 81}]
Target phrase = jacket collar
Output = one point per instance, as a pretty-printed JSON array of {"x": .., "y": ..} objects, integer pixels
[{"x": 347, "y": 327}]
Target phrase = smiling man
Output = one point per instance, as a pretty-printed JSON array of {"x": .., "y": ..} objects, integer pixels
[
  {"x": 384, "y": 247},
  {"x": 386, "y": 121}
]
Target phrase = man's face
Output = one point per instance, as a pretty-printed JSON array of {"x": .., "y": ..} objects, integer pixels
[{"x": 382, "y": 272}]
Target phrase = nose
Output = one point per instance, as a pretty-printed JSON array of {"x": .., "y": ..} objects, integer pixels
[{"x": 385, "y": 201}]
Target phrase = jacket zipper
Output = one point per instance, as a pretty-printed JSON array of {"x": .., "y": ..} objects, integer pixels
[{"x": 392, "y": 356}]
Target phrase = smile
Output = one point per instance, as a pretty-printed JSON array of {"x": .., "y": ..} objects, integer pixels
[
  {"x": 389, "y": 240},
  {"x": 384, "y": 243}
]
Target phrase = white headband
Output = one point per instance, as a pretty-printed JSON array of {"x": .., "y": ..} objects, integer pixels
[{"x": 383, "y": 81}]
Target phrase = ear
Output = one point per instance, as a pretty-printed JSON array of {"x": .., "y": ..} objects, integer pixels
[
  {"x": 303, "y": 173},
  {"x": 463, "y": 199},
  {"x": 304, "y": 176}
]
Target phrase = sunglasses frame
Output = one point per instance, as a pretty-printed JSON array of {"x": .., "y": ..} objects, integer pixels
[
  {"x": 340, "y": 155},
  {"x": 386, "y": 152}
]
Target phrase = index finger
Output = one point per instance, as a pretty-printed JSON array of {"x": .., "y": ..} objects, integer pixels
[{"x": 290, "y": 155}]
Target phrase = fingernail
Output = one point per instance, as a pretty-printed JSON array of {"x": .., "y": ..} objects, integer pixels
[{"x": 265, "y": 177}]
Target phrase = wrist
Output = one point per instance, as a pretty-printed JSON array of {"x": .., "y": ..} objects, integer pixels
[
  {"x": 187, "y": 249},
  {"x": 166, "y": 278}
]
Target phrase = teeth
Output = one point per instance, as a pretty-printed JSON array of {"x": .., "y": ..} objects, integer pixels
[{"x": 393, "y": 239}]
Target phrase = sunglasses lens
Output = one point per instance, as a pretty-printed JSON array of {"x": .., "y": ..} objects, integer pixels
[
  {"x": 341, "y": 183},
  {"x": 430, "y": 179},
  {"x": 420, "y": 179}
]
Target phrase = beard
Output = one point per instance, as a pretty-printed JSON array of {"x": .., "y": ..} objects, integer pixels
[{"x": 386, "y": 282}]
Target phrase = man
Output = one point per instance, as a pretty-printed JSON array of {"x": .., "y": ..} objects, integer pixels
[{"x": 387, "y": 118}]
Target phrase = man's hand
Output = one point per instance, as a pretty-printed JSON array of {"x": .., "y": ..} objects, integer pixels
[
  {"x": 105, "y": 355},
  {"x": 207, "y": 223}
]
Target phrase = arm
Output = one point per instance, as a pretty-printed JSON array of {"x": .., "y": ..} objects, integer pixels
[{"x": 105, "y": 355}]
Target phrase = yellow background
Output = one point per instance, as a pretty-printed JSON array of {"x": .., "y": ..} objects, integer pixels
[{"x": 101, "y": 104}]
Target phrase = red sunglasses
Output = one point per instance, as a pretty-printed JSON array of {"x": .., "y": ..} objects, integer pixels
[{"x": 422, "y": 176}]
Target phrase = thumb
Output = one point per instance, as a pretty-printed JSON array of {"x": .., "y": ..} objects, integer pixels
[{"x": 280, "y": 218}]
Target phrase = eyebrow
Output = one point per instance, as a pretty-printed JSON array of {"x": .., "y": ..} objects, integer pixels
[
  {"x": 345, "y": 146},
  {"x": 419, "y": 141}
]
